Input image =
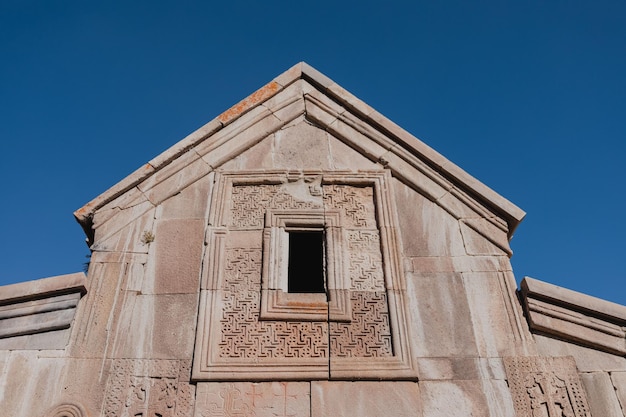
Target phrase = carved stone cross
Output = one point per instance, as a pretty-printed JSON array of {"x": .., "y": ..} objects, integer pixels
[{"x": 548, "y": 396}]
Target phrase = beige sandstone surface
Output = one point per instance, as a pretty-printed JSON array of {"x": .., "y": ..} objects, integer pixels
[{"x": 186, "y": 309}]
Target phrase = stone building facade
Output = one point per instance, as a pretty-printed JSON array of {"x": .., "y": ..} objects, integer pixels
[{"x": 301, "y": 255}]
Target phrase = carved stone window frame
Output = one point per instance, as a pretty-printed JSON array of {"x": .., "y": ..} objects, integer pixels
[
  {"x": 276, "y": 302},
  {"x": 208, "y": 365}
]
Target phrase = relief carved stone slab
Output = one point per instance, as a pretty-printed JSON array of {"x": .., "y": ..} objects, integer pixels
[
  {"x": 146, "y": 388},
  {"x": 245, "y": 399},
  {"x": 546, "y": 386},
  {"x": 251, "y": 327}
]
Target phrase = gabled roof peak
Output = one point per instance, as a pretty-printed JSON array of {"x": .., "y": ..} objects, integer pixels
[{"x": 326, "y": 90}]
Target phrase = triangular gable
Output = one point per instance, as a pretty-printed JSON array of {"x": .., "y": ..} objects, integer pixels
[{"x": 302, "y": 90}]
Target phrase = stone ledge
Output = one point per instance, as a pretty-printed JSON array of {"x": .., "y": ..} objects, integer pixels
[
  {"x": 574, "y": 317},
  {"x": 32, "y": 308},
  {"x": 42, "y": 288}
]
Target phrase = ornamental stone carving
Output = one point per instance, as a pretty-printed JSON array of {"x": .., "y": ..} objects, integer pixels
[
  {"x": 546, "y": 386},
  {"x": 250, "y": 324},
  {"x": 67, "y": 410},
  {"x": 146, "y": 388}
]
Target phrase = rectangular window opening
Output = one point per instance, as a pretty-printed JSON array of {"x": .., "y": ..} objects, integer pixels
[{"x": 306, "y": 262}]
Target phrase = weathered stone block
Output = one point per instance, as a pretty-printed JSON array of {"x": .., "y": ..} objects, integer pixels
[
  {"x": 365, "y": 399},
  {"x": 190, "y": 203},
  {"x": 465, "y": 398},
  {"x": 131, "y": 198},
  {"x": 236, "y": 138},
  {"x": 170, "y": 168},
  {"x": 249, "y": 104},
  {"x": 485, "y": 237},
  {"x": 126, "y": 232},
  {"x": 262, "y": 399},
  {"x": 97, "y": 318},
  {"x": 156, "y": 326},
  {"x": 353, "y": 103},
  {"x": 172, "y": 185},
  {"x": 440, "y": 316},
  {"x": 55, "y": 339},
  {"x": 259, "y": 156},
  {"x": 460, "y": 369},
  {"x": 303, "y": 145},
  {"x": 319, "y": 110},
  {"x": 601, "y": 394},
  {"x": 35, "y": 379},
  {"x": 292, "y": 92},
  {"x": 178, "y": 246},
  {"x": 619, "y": 383},
  {"x": 587, "y": 360},
  {"x": 290, "y": 109},
  {"x": 426, "y": 229},
  {"x": 77, "y": 387},
  {"x": 481, "y": 243},
  {"x": 494, "y": 331},
  {"x": 427, "y": 264},
  {"x": 343, "y": 157}
]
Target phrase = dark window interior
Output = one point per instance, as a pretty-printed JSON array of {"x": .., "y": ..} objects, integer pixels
[{"x": 306, "y": 262}]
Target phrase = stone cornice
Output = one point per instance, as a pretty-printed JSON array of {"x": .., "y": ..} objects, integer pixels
[{"x": 574, "y": 317}]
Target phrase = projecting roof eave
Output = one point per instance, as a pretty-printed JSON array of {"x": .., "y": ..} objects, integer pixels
[{"x": 498, "y": 204}]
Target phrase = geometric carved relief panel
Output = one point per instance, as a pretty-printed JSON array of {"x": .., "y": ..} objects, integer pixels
[
  {"x": 546, "y": 386},
  {"x": 251, "y": 327},
  {"x": 276, "y": 302},
  {"x": 147, "y": 388},
  {"x": 243, "y": 335}
]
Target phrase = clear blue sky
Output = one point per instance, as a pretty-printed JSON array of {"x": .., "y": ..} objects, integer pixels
[{"x": 529, "y": 97}]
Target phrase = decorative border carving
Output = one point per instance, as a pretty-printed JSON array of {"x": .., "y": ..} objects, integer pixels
[
  {"x": 276, "y": 302},
  {"x": 365, "y": 202}
]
